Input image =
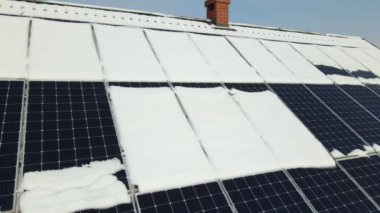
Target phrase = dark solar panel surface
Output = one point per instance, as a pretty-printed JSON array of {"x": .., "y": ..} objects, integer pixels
[
  {"x": 331, "y": 190},
  {"x": 375, "y": 88},
  {"x": 328, "y": 70},
  {"x": 367, "y": 98},
  {"x": 352, "y": 113},
  {"x": 70, "y": 124},
  {"x": 11, "y": 95},
  {"x": 331, "y": 131},
  {"x": 271, "y": 192},
  {"x": 365, "y": 171},
  {"x": 200, "y": 198}
]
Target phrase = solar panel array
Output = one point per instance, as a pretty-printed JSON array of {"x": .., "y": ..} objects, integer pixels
[{"x": 71, "y": 123}]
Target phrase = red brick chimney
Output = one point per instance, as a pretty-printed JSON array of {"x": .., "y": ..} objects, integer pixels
[{"x": 218, "y": 11}]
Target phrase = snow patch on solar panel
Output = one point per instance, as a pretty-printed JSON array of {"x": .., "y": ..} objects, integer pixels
[
  {"x": 232, "y": 145},
  {"x": 126, "y": 55},
  {"x": 73, "y": 189},
  {"x": 161, "y": 150},
  {"x": 290, "y": 141}
]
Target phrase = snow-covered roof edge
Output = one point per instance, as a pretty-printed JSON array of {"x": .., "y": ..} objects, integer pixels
[{"x": 114, "y": 16}]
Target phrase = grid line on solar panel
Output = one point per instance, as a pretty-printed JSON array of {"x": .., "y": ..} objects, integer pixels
[
  {"x": 363, "y": 123},
  {"x": 366, "y": 97},
  {"x": 331, "y": 190},
  {"x": 328, "y": 128},
  {"x": 366, "y": 172},
  {"x": 271, "y": 192},
  {"x": 207, "y": 197},
  {"x": 11, "y": 102},
  {"x": 70, "y": 124},
  {"x": 375, "y": 88}
]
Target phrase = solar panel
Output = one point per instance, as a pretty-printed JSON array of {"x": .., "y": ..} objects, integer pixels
[
  {"x": 11, "y": 95},
  {"x": 207, "y": 197},
  {"x": 331, "y": 190},
  {"x": 328, "y": 128},
  {"x": 200, "y": 198},
  {"x": 271, "y": 192},
  {"x": 367, "y": 98},
  {"x": 375, "y": 88},
  {"x": 352, "y": 113},
  {"x": 70, "y": 124},
  {"x": 365, "y": 171}
]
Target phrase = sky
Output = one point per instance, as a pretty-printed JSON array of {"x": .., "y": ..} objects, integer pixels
[{"x": 346, "y": 17}]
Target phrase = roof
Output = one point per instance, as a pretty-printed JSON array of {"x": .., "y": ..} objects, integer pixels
[{"x": 129, "y": 111}]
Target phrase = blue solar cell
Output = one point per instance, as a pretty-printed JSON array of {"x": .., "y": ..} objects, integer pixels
[
  {"x": 70, "y": 124},
  {"x": 328, "y": 70},
  {"x": 365, "y": 171},
  {"x": 271, "y": 192},
  {"x": 200, "y": 198},
  {"x": 366, "y": 97},
  {"x": 353, "y": 114},
  {"x": 331, "y": 190},
  {"x": 11, "y": 95},
  {"x": 375, "y": 88},
  {"x": 328, "y": 128}
]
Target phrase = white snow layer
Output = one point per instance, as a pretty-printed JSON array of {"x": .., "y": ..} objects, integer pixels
[
  {"x": 13, "y": 46},
  {"x": 63, "y": 51},
  {"x": 161, "y": 150},
  {"x": 356, "y": 152},
  {"x": 231, "y": 143},
  {"x": 376, "y": 147},
  {"x": 265, "y": 63},
  {"x": 317, "y": 57},
  {"x": 348, "y": 63},
  {"x": 180, "y": 57},
  {"x": 127, "y": 55},
  {"x": 74, "y": 189},
  {"x": 337, "y": 154},
  {"x": 374, "y": 53},
  {"x": 225, "y": 60},
  {"x": 63, "y": 179},
  {"x": 363, "y": 58},
  {"x": 291, "y": 142},
  {"x": 301, "y": 68}
]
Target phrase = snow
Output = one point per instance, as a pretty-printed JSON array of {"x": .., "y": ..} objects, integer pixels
[
  {"x": 348, "y": 63},
  {"x": 376, "y": 147},
  {"x": 161, "y": 150},
  {"x": 318, "y": 58},
  {"x": 127, "y": 55},
  {"x": 180, "y": 58},
  {"x": 89, "y": 187},
  {"x": 63, "y": 51},
  {"x": 296, "y": 63},
  {"x": 231, "y": 143},
  {"x": 291, "y": 142},
  {"x": 358, "y": 153},
  {"x": 63, "y": 179},
  {"x": 373, "y": 52},
  {"x": 337, "y": 154},
  {"x": 225, "y": 60},
  {"x": 267, "y": 65},
  {"x": 13, "y": 43},
  {"x": 363, "y": 58}
]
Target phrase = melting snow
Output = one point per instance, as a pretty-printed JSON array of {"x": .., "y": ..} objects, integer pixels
[
  {"x": 301, "y": 68},
  {"x": 337, "y": 154},
  {"x": 376, "y": 147},
  {"x": 74, "y": 189},
  {"x": 161, "y": 150}
]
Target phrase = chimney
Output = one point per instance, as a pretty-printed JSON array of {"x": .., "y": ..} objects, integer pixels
[{"x": 218, "y": 11}]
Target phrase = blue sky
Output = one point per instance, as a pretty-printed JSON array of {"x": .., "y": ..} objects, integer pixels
[{"x": 348, "y": 17}]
